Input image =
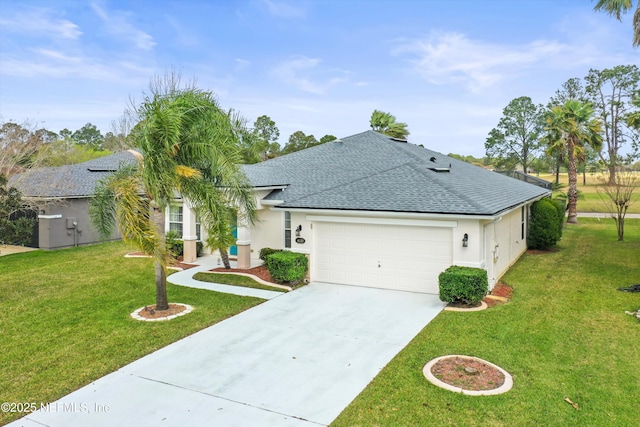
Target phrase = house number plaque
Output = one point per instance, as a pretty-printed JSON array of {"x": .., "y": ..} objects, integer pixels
[{"x": 300, "y": 240}]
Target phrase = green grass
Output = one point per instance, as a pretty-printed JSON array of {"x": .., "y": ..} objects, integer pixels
[
  {"x": 564, "y": 334},
  {"x": 591, "y": 200},
  {"x": 65, "y": 318},
  {"x": 234, "y": 280}
]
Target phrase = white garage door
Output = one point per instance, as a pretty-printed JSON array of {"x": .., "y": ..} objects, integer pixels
[{"x": 399, "y": 257}]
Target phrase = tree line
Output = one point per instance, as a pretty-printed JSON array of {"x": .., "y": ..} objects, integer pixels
[{"x": 587, "y": 122}]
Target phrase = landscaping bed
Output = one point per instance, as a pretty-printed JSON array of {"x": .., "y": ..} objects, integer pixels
[{"x": 261, "y": 271}]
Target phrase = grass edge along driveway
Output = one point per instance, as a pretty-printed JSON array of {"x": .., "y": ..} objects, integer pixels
[
  {"x": 65, "y": 319},
  {"x": 564, "y": 334}
]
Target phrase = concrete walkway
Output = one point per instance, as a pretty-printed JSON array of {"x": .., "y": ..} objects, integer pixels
[
  {"x": 295, "y": 360},
  {"x": 604, "y": 215},
  {"x": 185, "y": 278}
]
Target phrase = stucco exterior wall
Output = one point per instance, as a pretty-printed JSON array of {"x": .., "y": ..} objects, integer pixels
[
  {"x": 472, "y": 254},
  {"x": 298, "y": 218},
  {"x": 504, "y": 244},
  {"x": 56, "y": 229},
  {"x": 267, "y": 232}
]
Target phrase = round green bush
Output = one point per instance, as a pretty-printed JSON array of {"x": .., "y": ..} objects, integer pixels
[
  {"x": 468, "y": 285},
  {"x": 287, "y": 267},
  {"x": 265, "y": 252},
  {"x": 544, "y": 226}
]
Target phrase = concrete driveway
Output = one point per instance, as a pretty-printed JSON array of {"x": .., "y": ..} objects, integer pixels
[{"x": 296, "y": 360}]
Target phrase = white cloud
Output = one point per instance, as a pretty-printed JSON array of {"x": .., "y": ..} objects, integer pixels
[
  {"x": 118, "y": 24},
  {"x": 281, "y": 9},
  {"x": 49, "y": 63},
  {"x": 296, "y": 72},
  {"x": 450, "y": 58},
  {"x": 40, "y": 22},
  {"x": 241, "y": 64}
]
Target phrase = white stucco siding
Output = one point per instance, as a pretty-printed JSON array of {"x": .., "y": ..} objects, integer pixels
[
  {"x": 267, "y": 232},
  {"x": 503, "y": 244},
  {"x": 473, "y": 254},
  {"x": 306, "y": 233}
]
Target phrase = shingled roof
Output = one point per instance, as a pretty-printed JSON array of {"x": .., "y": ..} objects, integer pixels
[
  {"x": 70, "y": 181},
  {"x": 373, "y": 172}
]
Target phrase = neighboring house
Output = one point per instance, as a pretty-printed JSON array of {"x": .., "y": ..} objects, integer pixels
[
  {"x": 369, "y": 210},
  {"x": 62, "y": 194}
]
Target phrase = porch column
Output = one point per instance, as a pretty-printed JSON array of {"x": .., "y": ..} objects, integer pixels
[
  {"x": 243, "y": 243},
  {"x": 189, "y": 234}
]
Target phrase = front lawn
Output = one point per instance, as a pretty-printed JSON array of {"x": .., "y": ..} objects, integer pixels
[
  {"x": 564, "y": 334},
  {"x": 64, "y": 318}
]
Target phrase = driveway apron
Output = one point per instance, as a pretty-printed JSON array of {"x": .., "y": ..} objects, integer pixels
[{"x": 296, "y": 360}]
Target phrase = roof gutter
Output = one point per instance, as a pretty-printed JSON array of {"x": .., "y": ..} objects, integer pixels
[{"x": 408, "y": 215}]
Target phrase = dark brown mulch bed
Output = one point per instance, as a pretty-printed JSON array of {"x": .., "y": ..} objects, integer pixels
[
  {"x": 182, "y": 265},
  {"x": 500, "y": 290},
  {"x": 260, "y": 271},
  {"x": 176, "y": 263}
]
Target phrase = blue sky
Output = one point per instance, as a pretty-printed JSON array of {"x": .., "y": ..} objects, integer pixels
[{"x": 446, "y": 68}]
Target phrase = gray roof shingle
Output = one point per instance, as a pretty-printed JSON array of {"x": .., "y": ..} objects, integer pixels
[
  {"x": 70, "y": 181},
  {"x": 370, "y": 171}
]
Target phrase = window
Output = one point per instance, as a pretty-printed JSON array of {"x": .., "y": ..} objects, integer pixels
[
  {"x": 287, "y": 229},
  {"x": 523, "y": 222},
  {"x": 175, "y": 219}
]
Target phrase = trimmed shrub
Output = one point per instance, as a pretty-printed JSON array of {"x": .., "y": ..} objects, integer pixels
[
  {"x": 287, "y": 267},
  {"x": 463, "y": 284},
  {"x": 265, "y": 252},
  {"x": 545, "y": 229},
  {"x": 561, "y": 207}
]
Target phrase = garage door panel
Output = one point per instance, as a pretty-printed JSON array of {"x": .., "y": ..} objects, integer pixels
[{"x": 387, "y": 256}]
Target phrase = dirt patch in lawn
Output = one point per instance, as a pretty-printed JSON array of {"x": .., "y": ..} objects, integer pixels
[
  {"x": 468, "y": 374},
  {"x": 150, "y": 312},
  {"x": 541, "y": 252}
]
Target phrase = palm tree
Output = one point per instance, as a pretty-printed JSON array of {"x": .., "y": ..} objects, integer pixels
[
  {"x": 386, "y": 123},
  {"x": 569, "y": 128},
  {"x": 190, "y": 147},
  {"x": 220, "y": 236},
  {"x": 617, "y": 8}
]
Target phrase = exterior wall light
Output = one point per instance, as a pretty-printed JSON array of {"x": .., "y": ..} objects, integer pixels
[
  {"x": 298, "y": 230},
  {"x": 465, "y": 240}
]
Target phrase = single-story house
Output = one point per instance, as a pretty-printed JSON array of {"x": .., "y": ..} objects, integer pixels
[
  {"x": 370, "y": 210},
  {"x": 62, "y": 194},
  {"x": 367, "y": 210}
]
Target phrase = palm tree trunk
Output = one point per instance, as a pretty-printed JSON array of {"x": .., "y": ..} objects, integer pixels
[
  {"x": 225, "y": 257},
  {"x": 162, "y": 301},
  {"x": 572, "y": 217}
]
